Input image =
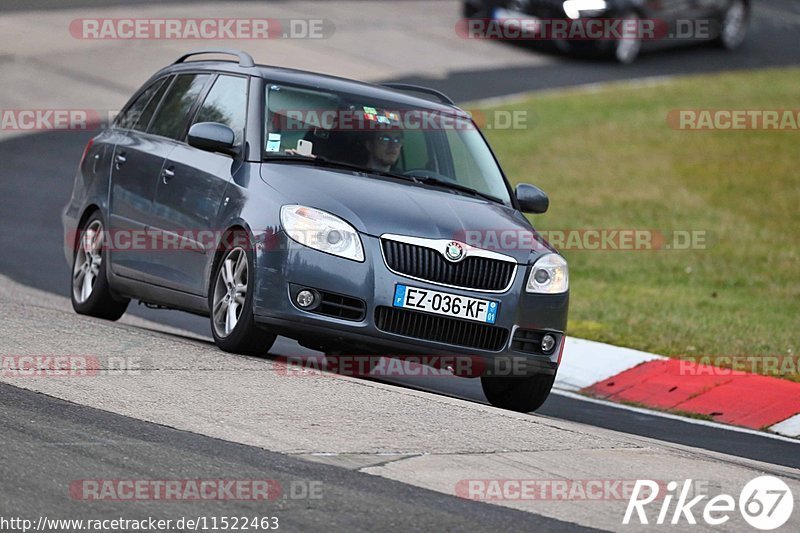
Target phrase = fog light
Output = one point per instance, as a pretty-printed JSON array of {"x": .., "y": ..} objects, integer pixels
[
  {"x": 305, "y": 298},
  {"x": 548, "y": 343}
]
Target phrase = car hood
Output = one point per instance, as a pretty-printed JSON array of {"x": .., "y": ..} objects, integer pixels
[{"x": 376, "y": 205}]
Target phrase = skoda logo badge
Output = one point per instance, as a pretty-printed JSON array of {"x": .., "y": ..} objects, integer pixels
[{"x": 454, "y": 251}]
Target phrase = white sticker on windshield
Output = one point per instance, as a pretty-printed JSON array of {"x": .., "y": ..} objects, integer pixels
[{"x": 274, "y": 142}]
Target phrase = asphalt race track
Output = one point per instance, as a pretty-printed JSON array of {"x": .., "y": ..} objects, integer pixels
[
  {"x": 37, "y": 173},
  {"x": 37, "y": 426}
]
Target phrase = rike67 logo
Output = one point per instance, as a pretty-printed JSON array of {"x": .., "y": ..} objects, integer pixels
[{"x": 766, "y": 503}]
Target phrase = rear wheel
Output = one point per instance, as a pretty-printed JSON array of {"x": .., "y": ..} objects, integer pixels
[
  {"x": 627, "y": 48},
  {"x": 734, "y": 25},
  {"x": 231, "y": 302},
  {"x": 91, "y": 294},
  {"x": 522, "y": 394}
]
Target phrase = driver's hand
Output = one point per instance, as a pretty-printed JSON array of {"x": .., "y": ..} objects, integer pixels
[{"x": 292, "y": 151}]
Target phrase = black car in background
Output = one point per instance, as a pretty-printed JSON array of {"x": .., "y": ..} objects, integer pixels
[{"x": 677, "y": 22}]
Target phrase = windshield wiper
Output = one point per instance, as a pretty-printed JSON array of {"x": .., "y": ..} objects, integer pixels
[
  {"x": 428, "y": 180},
  {"x": 325, "y": 162}
]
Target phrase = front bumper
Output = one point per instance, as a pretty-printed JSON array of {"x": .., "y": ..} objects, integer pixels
[{"x": 282, "y": 265}]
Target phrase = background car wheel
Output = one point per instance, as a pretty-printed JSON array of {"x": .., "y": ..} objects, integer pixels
[
  {"x": 626, "y": 50},
  {"x": 522, "y": 394},
  {"x": 734, "y": 25},
  {"x": 91, "y": 294},
  {"x": 231, "y": 302}
]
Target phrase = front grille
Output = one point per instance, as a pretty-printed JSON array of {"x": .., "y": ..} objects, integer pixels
[
  {"x": 443, "y": 329},
  {"x": 428, "y": 264}
]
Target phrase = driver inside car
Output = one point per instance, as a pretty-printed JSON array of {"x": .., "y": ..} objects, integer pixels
[{"x": 383, "y": 149}]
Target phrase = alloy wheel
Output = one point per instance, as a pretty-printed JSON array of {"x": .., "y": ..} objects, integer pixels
[
  {"x": 88, "y": 261},
  {"x": 230, "y": 292}
]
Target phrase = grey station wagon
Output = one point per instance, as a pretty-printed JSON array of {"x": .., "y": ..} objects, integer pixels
[{"x": 353, "y": 217}]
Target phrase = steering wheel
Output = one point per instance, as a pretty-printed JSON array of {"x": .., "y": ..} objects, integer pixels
[{"x": 424, "y": 173}]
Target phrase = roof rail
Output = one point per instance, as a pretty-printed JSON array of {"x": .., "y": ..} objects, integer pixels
[
  {"x": 419, "y": 89},
  {"x": 245, "y": 59}
]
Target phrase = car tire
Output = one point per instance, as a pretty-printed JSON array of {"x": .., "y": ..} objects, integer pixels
[
  {"x": 733, "y": 29},
  {"x": 230, "y": 300},
  {"x": 523, "y": 394},
  {"x": 90, "y": 291},
  {"x": 626, "y": 50}
]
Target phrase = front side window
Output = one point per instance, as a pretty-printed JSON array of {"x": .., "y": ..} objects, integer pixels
[
  {"x": 173, "y": 113},
  {"x": 434, "y": 145},
  {"x": 131, "y": 116},
  {"x": 150, "y": 109},
  {"x": 226, "y": 103}
]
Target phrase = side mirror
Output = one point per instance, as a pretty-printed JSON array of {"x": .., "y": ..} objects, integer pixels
[
  {"x": 212, "y": 137},
  {"x": 531, "y": 199}
]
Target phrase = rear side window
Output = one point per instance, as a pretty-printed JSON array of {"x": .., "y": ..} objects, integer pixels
[
  {"x": 226, "y": 103},
  {"x": 131, "y": 115},
  {"x": 173, "y": 113}
]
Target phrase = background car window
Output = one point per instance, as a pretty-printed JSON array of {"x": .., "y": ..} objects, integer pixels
[
  {"x": 226, "y": 103},
  {"x": 131, "y": 115},
  {"x": 173, "y": 114}
]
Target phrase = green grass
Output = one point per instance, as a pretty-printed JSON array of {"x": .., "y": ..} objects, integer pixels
[{"x": 608, "y": 159}]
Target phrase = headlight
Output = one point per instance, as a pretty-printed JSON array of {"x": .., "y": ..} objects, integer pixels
[
  {"x": 575, "y": 9},
  {"x": 549, "y": 275},
  {"x": 321, "y": 231}
]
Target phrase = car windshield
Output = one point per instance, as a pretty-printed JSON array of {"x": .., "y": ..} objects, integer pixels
[{"x": 381, "y": 136}]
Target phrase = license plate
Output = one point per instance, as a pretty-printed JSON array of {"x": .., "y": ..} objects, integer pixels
[{"x": 442, "y": 303}]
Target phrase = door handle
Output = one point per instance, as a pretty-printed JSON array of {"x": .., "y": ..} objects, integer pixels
[
  {"x": 167, "y": 174},
  {"x": 119, "y": 160}
]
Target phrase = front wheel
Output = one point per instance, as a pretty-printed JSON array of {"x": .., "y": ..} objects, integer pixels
[
  {"x": 91, "y": 294},
  {"x": 524, "y": 394},
  {"x": 231, "y": 302}
]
